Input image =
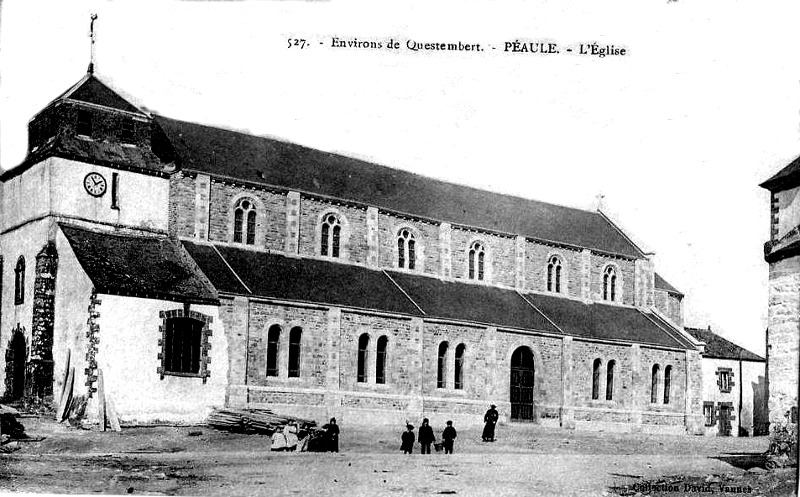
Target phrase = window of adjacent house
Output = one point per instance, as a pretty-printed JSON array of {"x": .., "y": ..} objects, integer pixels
[
  {"x": 331, "y": 236},
  {"x": 708, "y": 413},
  {"x": 126, "y": 131},
  {"x": 654, "y": 383},
  {"x": 183, "y": 339},
  {"x": 406, "y": 249},
  {"x": 273, "y": 346},
  {"x": 458, "y": 377},
  {"x": 380, "y": 360},
  {"x": 363, "y": 354},
  {"x": 84, "y": 126},
  {"x": 667, "y": 380},
  {"x": 610, "y": 380},
  {"x": 19, "y": 281},
  {"x": 476, "y": 260},
  {"x": 554, "y": 274},
  {"x": 294, "y": 351},
  {"x": 610, "y": 284},
  {"x": 244, "y": 222},
  {"x": 596, "y": 379},
  {"x": 724, "y": 380},
  {"x": 441, "y": 366}
]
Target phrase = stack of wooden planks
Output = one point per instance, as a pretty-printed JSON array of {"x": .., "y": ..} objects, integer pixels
[{"x": 254, "y": 421}]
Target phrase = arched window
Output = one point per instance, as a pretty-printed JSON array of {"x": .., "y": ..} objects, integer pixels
[
  {"x": 610, "y": 380},
  {"x": 476, "y": 259},
  {"x": 294, "y": 351},
  {"x": 554, "y": 274},
  {"x": 458, "y": 377},
  {"x": 244, "y": 222},
  {"x": 667, "y": 379},
  {"x": 19, "y": 281},
  {"x": 273, "y": 345},
  {"x": 610, "y": 284},
  {"x": 380, "y": 360},
  {"x": 331, "y": 236},
  {"x": 654, "y": 384},
  {"x": 363, "y": 354},
  {"x": 406, "y": 249},
  {"x": 441, "y": 368},
  {"x": 596, "y": 379}
]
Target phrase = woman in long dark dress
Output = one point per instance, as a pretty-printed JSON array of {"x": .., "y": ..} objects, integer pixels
[{"x": 490, "y": 418}]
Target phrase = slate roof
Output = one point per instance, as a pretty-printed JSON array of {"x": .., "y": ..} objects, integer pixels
[
  {"x": 92, "y": 90},
  {"x": 605, "y": 321},
  {"x": 787, "y": 177},
  {"x": 304, "y": 280},
  {"x": 93, "y": 151},
  {"x": 139, "y": 266},
  {"x": 720, "y": 348},
  {"x": 266, "y": 160},
  {"x": 662, "y": 284},
  {"x": 324, "y": 282},
  {"x": 471, "y": 302}
]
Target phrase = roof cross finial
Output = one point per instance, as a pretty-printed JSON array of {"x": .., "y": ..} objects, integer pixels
[
  {"x": 91, "y": 35},
  {"x": 600, "y": 198}
]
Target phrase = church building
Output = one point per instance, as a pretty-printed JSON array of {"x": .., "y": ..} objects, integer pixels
[{"x": 188, "y": 267}]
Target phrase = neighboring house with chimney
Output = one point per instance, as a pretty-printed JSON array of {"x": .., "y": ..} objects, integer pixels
[{"x": 734, "y": 387}]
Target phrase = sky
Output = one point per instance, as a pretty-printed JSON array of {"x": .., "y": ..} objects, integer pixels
[{"x": 676, "y": 135}]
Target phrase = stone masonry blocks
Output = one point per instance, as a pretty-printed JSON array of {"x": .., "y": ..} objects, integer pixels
[{"x": 292, "y": 222}]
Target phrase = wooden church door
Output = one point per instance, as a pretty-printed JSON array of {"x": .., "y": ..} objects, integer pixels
[{"x": 522, "y": 380}]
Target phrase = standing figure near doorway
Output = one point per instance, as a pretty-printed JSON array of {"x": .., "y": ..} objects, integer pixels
[{"x": 490, "y": 418}]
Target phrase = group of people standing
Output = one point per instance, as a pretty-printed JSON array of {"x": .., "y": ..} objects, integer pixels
[{"x": 426, "y": 438}]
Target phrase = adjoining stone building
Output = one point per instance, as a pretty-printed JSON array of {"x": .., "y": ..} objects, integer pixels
[
  {"x": 782, "y": 252},
  {"x": 198, "y": 267},
  {"x": 734, "y": 387}
]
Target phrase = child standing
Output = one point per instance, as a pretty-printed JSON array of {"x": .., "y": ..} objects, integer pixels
[
  {"x": 448, "y": 437},
  {"x": 407, "y": 439}
]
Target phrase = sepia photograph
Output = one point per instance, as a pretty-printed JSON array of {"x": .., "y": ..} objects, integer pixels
[{"x": 339, "y": 247}]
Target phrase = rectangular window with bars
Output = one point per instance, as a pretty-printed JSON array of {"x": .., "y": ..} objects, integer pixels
[{"x": 183, "y": 340}]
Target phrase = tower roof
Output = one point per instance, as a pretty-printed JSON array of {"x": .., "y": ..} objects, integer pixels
[{"x": 787, "y": 177}]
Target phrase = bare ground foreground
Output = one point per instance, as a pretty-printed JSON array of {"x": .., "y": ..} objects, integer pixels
[{"x": 525, "y": 460}]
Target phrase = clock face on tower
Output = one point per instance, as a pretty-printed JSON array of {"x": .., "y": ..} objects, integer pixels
[{"x": 95, "y": 184}]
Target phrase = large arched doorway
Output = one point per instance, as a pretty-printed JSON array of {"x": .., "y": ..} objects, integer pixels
[
  {"x": 522, "y": 381},
  {"x": 16, "y": 356}
]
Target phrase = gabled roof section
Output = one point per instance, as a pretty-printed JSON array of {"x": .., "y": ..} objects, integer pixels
[
  {"x": 472, "y": 302},
  {"x": 139, "y": 266},
  {"x": 720, "y": 348},
  {"x": 604, "y": 321},
  {"x": 304, "y": 280},
  {"x": 93, "y": 91},
  {"x": 788, "y": 177},
  {"x": 286, "y": 165},
  {"x": 262, "y": 274},
  {"x": 662, "y": 284}
]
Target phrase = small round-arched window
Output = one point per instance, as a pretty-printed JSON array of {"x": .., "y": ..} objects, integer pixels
[
  {"x": 244, "y": 222},
  {"x": 331, "y": 233},
  {"x": 406, "y": 249}
]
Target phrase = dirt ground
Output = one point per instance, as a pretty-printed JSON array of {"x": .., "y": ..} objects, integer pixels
[{"x": 525, "y": 460}]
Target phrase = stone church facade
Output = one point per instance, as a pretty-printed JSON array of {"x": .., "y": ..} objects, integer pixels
[{"x": 193, "y": 267}]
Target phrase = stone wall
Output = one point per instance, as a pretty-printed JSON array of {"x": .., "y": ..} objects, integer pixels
[
  {"x": 783, "y": 336},
  {"x": 426, "y": 237},
  {"x": 328, "y": 384}
]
